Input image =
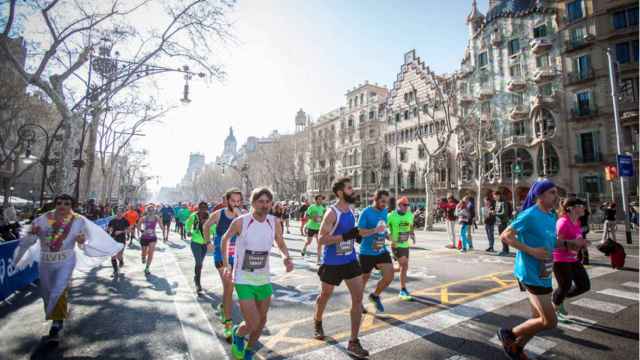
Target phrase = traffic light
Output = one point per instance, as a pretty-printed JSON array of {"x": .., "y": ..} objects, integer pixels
[{"x": 610, "y": 172}]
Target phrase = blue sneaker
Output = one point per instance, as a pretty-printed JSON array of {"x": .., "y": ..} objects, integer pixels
[
  {"x": 248, "y": 354},
  {"x": 237, "y": 344},
  {"x": 404, "y": 295},
  {"x": 377, "y": 302}
]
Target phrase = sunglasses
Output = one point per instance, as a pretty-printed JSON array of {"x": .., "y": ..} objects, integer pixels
[
  {"x": 403, "y": 205},
  {"x": 63, "y": 203}
]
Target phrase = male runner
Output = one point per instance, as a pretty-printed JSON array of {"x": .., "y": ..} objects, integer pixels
[
  {"x": 166, "y": 215},
  {"x": 373, "y": 251},
  {"x": 401, "y": 227},
  {"x": 199, "y": 243},
  {"x": 132, "y": 217},
  {"x": 314, "y": 214},
  {"x": 117, "y": 228},
  {"x": 222, "y": 219},
  {"x": 337, "y": 233},
  {"x": 181, "y": 217},
  {"x": 533, "y": 234},
  {"x": 255, "y": 234}
]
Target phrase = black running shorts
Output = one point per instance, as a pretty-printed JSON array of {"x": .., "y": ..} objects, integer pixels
[
  {"x": 334, "y": 274},
  {"x": 368, "y": 262}
]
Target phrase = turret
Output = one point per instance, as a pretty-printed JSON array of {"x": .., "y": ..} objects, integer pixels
[{"x": 475, "y": 19}]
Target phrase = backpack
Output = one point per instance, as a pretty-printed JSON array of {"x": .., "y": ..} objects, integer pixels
[{"x": 617, "y": 256}]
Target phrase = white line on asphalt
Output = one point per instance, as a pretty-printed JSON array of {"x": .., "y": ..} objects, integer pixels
[
  {"x": 605, "y": 306},
  {"x": 395, "y": 336},
  {"x": 535, "y": 347},
  {"x": 198, "y": 333},
  {"x": 631, "y": 284},
  {"x": 619, "y": 293},
  {"x": 576, "y": 323}
]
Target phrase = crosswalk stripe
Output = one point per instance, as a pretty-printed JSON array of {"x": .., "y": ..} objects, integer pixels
[
  {"x": 608, "y": 307},
  {"x": 620, "y": 293},
  {"x": 535, "y": 347},
  {"x": 631, "y": 284},
  {"x": 576, "y": 323}
]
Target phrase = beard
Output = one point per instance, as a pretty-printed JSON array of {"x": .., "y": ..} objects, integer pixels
[{"x": 349, "y": 198}]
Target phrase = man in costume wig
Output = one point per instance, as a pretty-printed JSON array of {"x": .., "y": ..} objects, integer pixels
[{"x": 58, "y": 232}]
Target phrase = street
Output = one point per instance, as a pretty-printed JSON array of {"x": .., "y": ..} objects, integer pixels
[{"x": 460, "y": 302}]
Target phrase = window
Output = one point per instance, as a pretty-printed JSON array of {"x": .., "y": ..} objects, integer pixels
[
  {"x": 515, "y": 70},
  {"x": 628, "y": 92},
  {"x": 483, "y": 59},
  {"x": 421, "y": 152},
  {"x": 623, "y": 53},
  {"x": 514, "y": 46},
  {"x": 583, "y": 103},
  {"x": 424, "y": 108},
  {"x": 517, "y": 99},
  {"x": 542, "y": 61},
  {"x": 517, "y": 128},
  {"x": 415, "y": 112},
  {"x": 625, "y": 18},
  {"x": 406, "y": 114},
  {"x": 355, "y": 101},
  {"x": 403, "y": 155},
  {"x": 575, "y": 10},
  {"x": 582, "y": 65},
  {"x": 588, "y": 147},
  {"x": 350, "y": 122},
  {"x": 540, "y": 31},
  {"x": 397, "y": 117},
  {"x": 546, "y": 89},
  {"x": 372, "y": 133},
  {"x": 350, "y": 103},
  {"x": 372, "y": 115},
  {"x": 361, "y": 99},
  {"x": 591, "y": 184}
]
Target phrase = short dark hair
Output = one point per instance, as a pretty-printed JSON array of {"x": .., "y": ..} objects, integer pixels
[
  {"x": 65, "y": 197},
  {"x": 258, "y": 192},
  {"x": 203, "y": 204},
  {"x": 340, "y": 184},
  {"x": 380, "y": 193},
  {"x": 319, "y": 196},
  {"x": 230, "y": 192}
]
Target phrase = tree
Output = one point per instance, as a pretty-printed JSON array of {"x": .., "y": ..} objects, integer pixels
[{"x": 186, "y": 31}]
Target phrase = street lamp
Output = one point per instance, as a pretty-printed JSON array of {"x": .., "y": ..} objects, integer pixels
[{"x": 27, "y": 134}]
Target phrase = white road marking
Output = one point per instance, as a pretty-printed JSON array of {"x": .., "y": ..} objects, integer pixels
[
  {"x": 198, "y": 333},
  {"x": 619, "y": 293},
  {"x": 394, "y": 336},
  {"x": 535, "y": 347},
  {"x": 605, "y": 306},
  {"x": 576, "y": 323},
  {"x": 631, "y": 284}
]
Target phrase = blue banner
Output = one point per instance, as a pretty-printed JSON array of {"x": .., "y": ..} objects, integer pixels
[
  {"x": 11, "y": 279},
  {"x": 625, "y": 165},
  {"x": 104, "y": 222}
]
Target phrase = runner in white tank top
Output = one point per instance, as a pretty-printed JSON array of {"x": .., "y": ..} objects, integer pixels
[{"x": 255, "y": 233}]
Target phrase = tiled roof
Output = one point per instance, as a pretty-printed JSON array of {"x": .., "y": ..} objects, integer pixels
[{"x": 509, "y": 8}]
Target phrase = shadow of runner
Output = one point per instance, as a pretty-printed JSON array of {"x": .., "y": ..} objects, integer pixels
[{"x": 161, "y": 284}]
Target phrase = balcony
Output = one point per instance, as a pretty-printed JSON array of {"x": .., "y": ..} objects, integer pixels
[
  {"x": 576, "y": 77},
  {"x": 486, "y": 94},
  {"x": 577, "y": 44},
  {"x": 516, "y": 140},
  {"x": 544, "y": 74},
  {"x": 519, "y": 112},
  {"x": 583, "y": 112},
  {"x": 540, "y": 45},
  {"x": 466, "y": 99},
  {"x": 595, "y": 157},
  {"x": 516, "y": 85}
]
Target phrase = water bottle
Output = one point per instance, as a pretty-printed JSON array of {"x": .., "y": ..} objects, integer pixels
[{"x": 381, "y": 235}]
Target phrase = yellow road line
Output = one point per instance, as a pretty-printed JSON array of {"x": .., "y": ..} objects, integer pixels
[{"x": 444, "y": 295}]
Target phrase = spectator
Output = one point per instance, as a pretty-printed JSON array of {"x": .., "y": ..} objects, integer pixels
[
  {"x": 503, "y": 216},
  {"x": 609, "y": 225},
  {"x": 449, "y": 208},
  {"x": 462, "y": 212},
  {"x": 490, "y": 220}
]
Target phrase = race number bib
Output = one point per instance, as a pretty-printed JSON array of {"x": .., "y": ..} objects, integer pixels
[
  {"x": 149, "y": 232},
  {"x": 546, "y": 268},
  {"x": 317, "y": 218},
  {"x": 378, "y": 243},
  {"x": 232, "y": 249},
  {"x": 344, "y": 247},
  {"x": 403, "y": 236},
  {"x": 254, "y": 260}
]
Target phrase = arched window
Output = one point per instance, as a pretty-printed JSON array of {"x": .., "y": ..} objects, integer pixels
[
  {"x": 519, "y": 156},
  {"x": 373, "y": 177},
  {"x": 545, "y": 125},
  {"x": 551, "y": 159}
]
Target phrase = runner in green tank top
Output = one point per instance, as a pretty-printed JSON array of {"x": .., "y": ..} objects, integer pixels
[
  {"x": 314, "y": 214},
  {"x": 400, "y": 223}
]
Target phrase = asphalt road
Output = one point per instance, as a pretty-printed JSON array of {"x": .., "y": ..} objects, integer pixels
[{"x": 461, "y": 300}]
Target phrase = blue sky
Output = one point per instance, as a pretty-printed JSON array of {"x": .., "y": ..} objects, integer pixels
[{"x": 302, "y": 54}]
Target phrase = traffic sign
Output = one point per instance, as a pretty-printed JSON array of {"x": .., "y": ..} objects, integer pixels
[
  {"x": 625, "y": 165},
  {"x": 610, "y": 172}
]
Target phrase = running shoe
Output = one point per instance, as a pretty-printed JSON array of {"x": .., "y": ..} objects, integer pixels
[
  {"x": 303, "y": 252},
  {"x": 490, "y": 250},
  {"x": 508, "y": 340},
  {"x": 146, "y": 270},
  {"x": 228, "y": 331},
  {"x": 248, "y": 354},
  {"x": 237, "y": 344},
  {"x": 561, "y": 310},
  {"x": 355, "y": 349},
  {"x": 318, "y": 331},
  {"x": 54, "y": 332},
  {"x": 121, "y": 262},
  {"x": 404, "y": 295},
  {"x": 377, "y": 302}
]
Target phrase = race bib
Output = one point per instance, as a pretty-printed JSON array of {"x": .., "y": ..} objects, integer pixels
[
  {"x": 378, "y": 243},
  {"x": 149, "y": 232},
  {"x": 546, "y": 268},
  {"x": 344, "y": 247},
  {"x": 317, "y": 218},
  {"x": 254, "y": 260},
  {"x": 232, "y": 249},
  {"x": 403, "y": 236}
]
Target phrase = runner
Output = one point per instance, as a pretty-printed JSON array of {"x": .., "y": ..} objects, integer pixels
[
  {"x": 167, "y": 215},
  {"x": 199, "y": 242},
  {"x": 181, "y": 217},
  {"x": 401, "y": 228},
  {"x": 533, "y": 234},
  {"x": 132, "y": 217},
  {"x": 314, "y": 215},
  {"x": 148, "y": 238},
  {"x": 255, "y": 234},
  {"x": 57, "y": 233},
  {"x": 117, "y": 228},
  {"x": 373, "y": 251},
  {"x": 339, "y": 262},
  {"x": 303, "y": 215},
  {"x": 286, "y": 215},
  {"x": 222, "y": 219},
  {"x": 571, "y": 276}
]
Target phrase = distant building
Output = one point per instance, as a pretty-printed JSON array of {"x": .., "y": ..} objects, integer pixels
[{"x": 196, "y": 164}]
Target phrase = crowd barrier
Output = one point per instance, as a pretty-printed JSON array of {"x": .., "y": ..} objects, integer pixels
[{"x": 12, "y": 279}]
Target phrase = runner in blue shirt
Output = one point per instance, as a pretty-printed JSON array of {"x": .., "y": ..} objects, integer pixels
[
  {"x": 373, "y": 251},
  {"x": 166, "y": 215},
  {"x": 533, "y": 234}
]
